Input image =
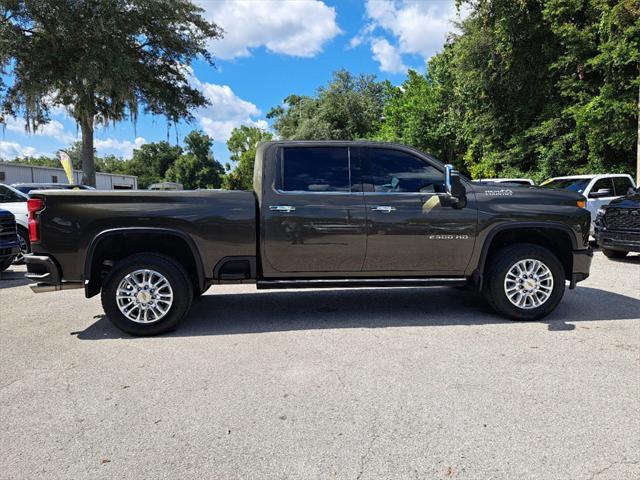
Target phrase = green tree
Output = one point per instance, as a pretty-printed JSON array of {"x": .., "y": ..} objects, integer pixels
[
  {"x": 149, "y": 163},
  {"x": 349, "y": 107},
  {"x": 540, "y": 88},
  {"x": 411, "y": 116},
  {"x": 242, "y": 146},
  {"x": 103, "y": 60},
  {"x": 196, "y": 168}
]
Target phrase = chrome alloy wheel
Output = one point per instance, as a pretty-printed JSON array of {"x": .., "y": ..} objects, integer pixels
[
  {"x": 528, "y": 284},
  {"x": 144, "y": 296}
]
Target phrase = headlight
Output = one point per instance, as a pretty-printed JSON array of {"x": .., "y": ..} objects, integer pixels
[{"x": 601, "y": 211}]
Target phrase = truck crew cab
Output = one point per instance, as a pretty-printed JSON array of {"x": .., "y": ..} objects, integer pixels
[{"x": 321, "y": 214}]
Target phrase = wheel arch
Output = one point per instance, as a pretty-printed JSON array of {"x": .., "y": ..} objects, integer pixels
[
  {"x": 99, "y": 247},
  {"x": 545, "y": 234}
]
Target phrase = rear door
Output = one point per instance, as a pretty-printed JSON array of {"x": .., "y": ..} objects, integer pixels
[
  {"x": 409, "y": 227},
  {"x": 313, "y": 216}
]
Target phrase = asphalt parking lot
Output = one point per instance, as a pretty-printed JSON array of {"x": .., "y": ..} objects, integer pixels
[{"x": 354, "y": 384}]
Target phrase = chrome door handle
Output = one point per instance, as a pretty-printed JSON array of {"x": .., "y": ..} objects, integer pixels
[
  {"x": 383, "y": 208},
  {"x": 282, "y": 208}
]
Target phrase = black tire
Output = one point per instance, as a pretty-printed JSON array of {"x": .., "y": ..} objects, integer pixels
[
  {"x": 502, "y": 262},
  {"x": 173, "y": 272},
  {"x": 6, "y": 263},
  {"x": 25, "y": 246},
  {"x": 614, "y": 253}
]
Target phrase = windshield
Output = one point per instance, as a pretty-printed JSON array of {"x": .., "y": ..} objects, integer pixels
[
  {"x": 10, "y": 194},
  {"x": 573, "y": 184}
]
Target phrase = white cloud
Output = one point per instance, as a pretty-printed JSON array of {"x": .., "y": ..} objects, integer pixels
[
  {"x": 123, "y": 147},
  {"x": 226, "y": 112},
  {"x": 53, "y": 129},
  {"x": 387, "y": 55},
  {"x": 10, "y": 150},
  {"x": 296, "y": 28},
  {"x": 417, "y": 27}
]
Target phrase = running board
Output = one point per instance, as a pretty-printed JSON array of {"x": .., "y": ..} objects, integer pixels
[{"x": 361, "y": 283}]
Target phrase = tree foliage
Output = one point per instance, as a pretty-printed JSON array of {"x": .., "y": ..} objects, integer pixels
[
  {"x": 538, "y": 88},
  {"x": 242, "y": 147},
  {"x": 102, "y": 60},
  {"x": 196, "y": 168},
  {"x": 349, "y": 107}
]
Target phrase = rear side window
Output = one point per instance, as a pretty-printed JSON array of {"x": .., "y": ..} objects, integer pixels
[
  {"x": 622, "y": 186},
  {"x": 603, "y": 183},
  {"x": 396, "y": 171},
  {"x": 315, "y": 169}
]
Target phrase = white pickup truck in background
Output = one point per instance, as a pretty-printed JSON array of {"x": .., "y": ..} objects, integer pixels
[{"x": 599, "y": 190}]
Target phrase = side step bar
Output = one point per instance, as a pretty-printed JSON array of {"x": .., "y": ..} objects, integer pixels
[{"x": 361, "y": 283}]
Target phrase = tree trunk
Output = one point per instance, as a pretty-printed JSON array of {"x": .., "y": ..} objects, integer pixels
[{"x": 88, "y": 162}]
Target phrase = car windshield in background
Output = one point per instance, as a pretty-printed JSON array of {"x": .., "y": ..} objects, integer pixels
[{"x": 575, "y": 184}]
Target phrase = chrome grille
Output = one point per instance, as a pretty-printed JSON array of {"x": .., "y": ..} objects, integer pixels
[{"x": 622, "y": 218}]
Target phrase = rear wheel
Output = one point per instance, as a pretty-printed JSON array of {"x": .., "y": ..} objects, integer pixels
[
  {"x": 147, "y": 294},
  {"x": 525, "y": 282},
  {"x": 614, "y": 253}
]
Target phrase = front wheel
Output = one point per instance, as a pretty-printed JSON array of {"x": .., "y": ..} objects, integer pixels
[
  {"x": 614, "y": 253},
  {"x": 25, "y": 246},
  {"x": 147, "y": 294},
  {"x": 525, "y": 282}
]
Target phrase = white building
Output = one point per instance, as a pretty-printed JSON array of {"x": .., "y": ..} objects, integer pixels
[{"x": 11, "y": 172}]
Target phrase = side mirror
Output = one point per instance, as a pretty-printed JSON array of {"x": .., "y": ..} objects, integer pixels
[
  {"x": 454, "y": 187},
  {"x": 603, "y": 192}
]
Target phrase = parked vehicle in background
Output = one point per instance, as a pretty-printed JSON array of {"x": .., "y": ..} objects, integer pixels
[
  {"x": 515, "y": 181},
  {"x": 16, "y": 202},
  {"x": 618, "y": 226},
  {"x": 28, "y": 187},
  {"x": 9, "y": 244},
  {"x": 599, "y": 190},
  {"x": 322, "y": 214}
]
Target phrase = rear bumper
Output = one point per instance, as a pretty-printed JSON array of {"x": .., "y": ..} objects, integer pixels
[
  {"x": 581, "y": 266},
  {"x": 44, "y": 271}
]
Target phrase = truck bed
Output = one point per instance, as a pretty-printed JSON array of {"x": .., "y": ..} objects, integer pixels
[{"x": 220, "y": 223}]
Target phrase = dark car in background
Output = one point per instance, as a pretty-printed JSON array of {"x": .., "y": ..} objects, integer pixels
[
  {"x": 618, "y": 226},
  {"x": 27, "y": 187},
  {"x": 9, "y": 243}
]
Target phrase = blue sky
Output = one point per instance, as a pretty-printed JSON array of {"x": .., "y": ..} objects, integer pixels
[{"x": 271, "y": 48}]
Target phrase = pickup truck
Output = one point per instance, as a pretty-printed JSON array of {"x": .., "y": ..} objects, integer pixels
[{"x": 321, "y": 214}]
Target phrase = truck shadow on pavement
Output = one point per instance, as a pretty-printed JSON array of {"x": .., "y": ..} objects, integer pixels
[{"x": 258, "y": 312}]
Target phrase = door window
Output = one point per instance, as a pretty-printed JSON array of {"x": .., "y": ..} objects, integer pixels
[
  {"x": 602, "y": 184},
  {"x": 315, "y": 169},
  {"x": 394, "y": 171},
  {"x": 622, "y": 186}
]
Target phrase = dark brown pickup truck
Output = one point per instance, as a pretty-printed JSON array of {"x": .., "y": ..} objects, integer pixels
[{"x": 322, "y": 214}]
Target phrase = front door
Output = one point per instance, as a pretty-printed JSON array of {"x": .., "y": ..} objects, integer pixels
[
  {"x": 313, "y": 217},
  {"x": 410, "y": 227}
]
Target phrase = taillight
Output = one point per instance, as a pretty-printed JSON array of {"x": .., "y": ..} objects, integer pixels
[{"x": 35, "y": 206}]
